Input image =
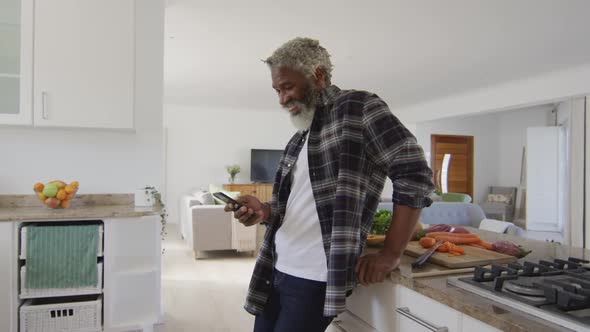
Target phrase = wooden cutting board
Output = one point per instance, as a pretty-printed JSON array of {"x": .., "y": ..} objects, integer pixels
[
  {"x": 428, "y": 269},
  {"x": 473, "y": 257}
]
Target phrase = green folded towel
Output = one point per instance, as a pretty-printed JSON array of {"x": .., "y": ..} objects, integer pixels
[{"x": 61, "y": 256}]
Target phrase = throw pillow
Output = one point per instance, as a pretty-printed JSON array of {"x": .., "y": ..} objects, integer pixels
[{"x": 205, "y": 197}]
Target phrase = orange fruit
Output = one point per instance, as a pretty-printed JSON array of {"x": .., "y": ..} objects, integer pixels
[
  {"x": 38, "y": 187},
  {"x": 65, "y": 203},
  {"x": 61, "y": 194},
  {"x": 70, "y": 189},
  {"x": 74, "y": 184}
]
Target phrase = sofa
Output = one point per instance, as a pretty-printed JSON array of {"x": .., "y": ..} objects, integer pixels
[
  {"x": 205, "y": 226},
  {"x": 454, "y": 213}
]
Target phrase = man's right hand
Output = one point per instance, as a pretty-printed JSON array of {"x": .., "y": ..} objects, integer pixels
[{"x": 251, "y": 212}]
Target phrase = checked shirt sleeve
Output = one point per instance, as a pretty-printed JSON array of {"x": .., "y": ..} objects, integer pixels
[{"x": 391, "y": 146}]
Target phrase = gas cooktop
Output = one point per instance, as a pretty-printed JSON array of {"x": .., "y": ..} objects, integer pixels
[{"x": 557, "y": 291}]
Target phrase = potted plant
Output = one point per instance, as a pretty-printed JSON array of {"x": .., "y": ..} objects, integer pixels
[
  {"x": 149, "y": 196},
  {"x": 233, "y": 170}
]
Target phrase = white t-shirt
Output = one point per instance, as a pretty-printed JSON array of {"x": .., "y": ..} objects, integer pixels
[{"x": 298, "y": 242}]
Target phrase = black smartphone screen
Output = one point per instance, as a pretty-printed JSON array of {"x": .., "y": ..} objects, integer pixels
[{"x": 228, "y": 200}]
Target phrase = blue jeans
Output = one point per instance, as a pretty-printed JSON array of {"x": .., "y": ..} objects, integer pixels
[{"x": 295, "y": 304}]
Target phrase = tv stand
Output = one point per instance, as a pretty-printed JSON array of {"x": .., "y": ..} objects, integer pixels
[{"x": 262, "y": 191}]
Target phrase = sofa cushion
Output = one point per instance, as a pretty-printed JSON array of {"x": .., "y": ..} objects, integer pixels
[{"x": 204, "y": 197}]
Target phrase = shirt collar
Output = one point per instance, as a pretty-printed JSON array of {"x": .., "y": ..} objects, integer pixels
[{"x": 328, "y": 95}]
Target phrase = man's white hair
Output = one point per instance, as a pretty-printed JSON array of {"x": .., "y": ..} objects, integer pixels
[{"x": 303, "y": 54}]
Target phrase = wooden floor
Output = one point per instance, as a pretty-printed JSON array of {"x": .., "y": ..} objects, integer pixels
[{"x": 205, "y": 294}]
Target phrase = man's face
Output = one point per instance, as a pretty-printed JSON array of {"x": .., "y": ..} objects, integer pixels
[{"x": 297, "y": 95}]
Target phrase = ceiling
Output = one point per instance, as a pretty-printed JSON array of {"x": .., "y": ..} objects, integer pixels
[{"x": 406, "y": 51}]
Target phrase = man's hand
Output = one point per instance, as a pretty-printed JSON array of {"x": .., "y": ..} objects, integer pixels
[
  {"x": 251, "y": 212},
  {"x": 372, "y": 268}
]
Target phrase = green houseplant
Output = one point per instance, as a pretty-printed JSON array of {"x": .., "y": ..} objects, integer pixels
[
  {"x": 233, "y": 170},
  {"x": 156, "y": 198}
]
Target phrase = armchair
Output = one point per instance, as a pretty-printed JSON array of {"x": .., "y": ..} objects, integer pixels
[
  {"x": 500, "y": 203},
  {"x": 206, "y": 226}
]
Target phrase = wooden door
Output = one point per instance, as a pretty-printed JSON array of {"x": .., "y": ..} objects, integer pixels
[{"x": 460, "y": 170}]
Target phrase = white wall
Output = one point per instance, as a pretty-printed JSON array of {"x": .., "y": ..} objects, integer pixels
[
  {"x": 201, "y": 142},
  {"x": 102, "y": 161},
  {"x": 498, "y": 141},
  {"x": 512, "y": 138}
]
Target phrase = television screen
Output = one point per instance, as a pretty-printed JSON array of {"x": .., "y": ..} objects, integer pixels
[{"x": 264, "y": 164}]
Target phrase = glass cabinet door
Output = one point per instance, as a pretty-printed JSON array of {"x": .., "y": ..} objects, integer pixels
[{"x": 15, "y": 75}]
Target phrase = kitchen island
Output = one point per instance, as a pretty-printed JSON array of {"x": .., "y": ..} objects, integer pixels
[
  {"x": 128, "y": 294},
  {"x": 406, "y": 303}
]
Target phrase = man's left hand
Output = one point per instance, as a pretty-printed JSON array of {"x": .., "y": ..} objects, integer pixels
[{"x": 372, "y": 268}]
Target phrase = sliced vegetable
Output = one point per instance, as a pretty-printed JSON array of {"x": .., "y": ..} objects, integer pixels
[
  {"x": 451, "y": 248},
  {"x": 510, "y": 248},
  {"x": 427, "y": 242}
]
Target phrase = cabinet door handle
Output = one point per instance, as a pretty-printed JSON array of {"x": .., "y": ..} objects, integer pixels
[
  {"x": 404, "y": 311},
  {"x": 43, "y": 105}
]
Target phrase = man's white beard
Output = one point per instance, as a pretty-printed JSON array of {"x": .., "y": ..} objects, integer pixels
[{"x": 304, "y": 118}]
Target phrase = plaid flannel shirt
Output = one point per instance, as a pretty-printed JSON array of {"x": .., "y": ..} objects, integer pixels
[{"x": 354, "y": 143}]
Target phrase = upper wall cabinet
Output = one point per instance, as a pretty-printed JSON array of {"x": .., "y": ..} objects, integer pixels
[
  {"x": 16, "y": 54},
  {"x": 84, "y": 64}
]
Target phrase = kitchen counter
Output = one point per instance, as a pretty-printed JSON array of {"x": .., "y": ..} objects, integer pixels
[
  {"x": 96, "y": 206},
  {"x": 478, "y": 307}
]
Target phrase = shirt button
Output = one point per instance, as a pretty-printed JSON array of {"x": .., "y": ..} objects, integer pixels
[
  {"x": 268, "y": 282},
  {"x": 288, "y": 165}
]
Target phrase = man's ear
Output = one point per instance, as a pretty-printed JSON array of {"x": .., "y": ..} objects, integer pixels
[{"x": 320, "y": 78}]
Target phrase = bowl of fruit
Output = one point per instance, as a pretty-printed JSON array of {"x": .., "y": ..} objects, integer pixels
[{"x": 56, "y": 194}]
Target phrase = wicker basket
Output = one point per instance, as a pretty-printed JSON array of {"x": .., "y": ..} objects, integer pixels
[
  {"x": 23, "y": 242},
  {"x": 58, "y": 317},
  {"x": 29, "y": 293}
]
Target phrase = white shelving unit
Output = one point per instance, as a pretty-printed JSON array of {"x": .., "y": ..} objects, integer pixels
[{"x": 63, "y": 309}]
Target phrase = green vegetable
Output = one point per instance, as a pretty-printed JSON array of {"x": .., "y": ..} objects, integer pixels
[{"x": 381, "y": 222}]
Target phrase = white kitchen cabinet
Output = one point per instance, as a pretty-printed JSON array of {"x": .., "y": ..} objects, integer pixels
[
  {"x": 8, "y": 278},
  {"x": 417, "y": 312},
  {"x": 132, "y": 261},
  {"x": 349, "y": 322},
  {"x": 84, "y": 63},
  {"x": 16, "y": 54},
  {"x": 375, "y": 305},
  {"x": 472, "y": 324}
]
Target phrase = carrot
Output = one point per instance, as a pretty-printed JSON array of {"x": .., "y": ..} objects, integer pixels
[
  {"x": 457, "y": 240},
  {"x": 486, "y": 245},
  {"x": 427, "y": 242},
  {"x": 459, "y": 235},
  {"x": 477, "y": 245},
  {"x": 444, "y": 247}
]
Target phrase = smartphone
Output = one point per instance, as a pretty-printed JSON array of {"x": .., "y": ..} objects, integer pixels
[{"x": 228, "y": 200}]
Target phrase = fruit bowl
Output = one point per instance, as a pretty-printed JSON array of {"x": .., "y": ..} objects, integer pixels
[{"x": 56, "y": 194}]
